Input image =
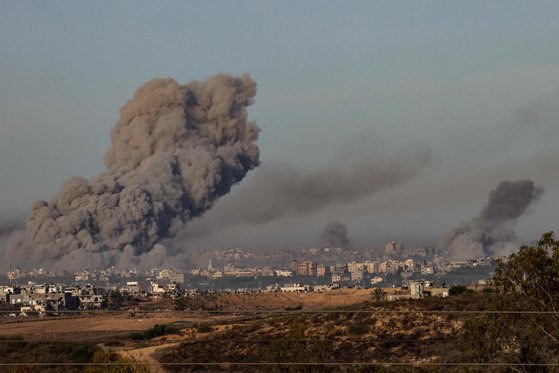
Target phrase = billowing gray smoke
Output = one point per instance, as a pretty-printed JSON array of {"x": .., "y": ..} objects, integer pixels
[
  {"x": 300, "y": 192},
  {"x": 8, "y": 227},
  {"x": 174, "y": 151},
  {"x": 491, "y": 233},
  {"x": 335, "y": 235}
]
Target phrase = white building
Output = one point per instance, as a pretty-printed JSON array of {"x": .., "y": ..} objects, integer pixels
[
  {"x": 284, "y": 273},
  {"x": 416, "y": 289},
  {"x": 294, "y": 288},
  {"x": 427, "y": 270}
]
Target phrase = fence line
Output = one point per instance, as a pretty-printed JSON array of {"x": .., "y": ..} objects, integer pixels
[
  {"x": 232, "y": 363},
  {"x": 410, "y": 340},
  {"x": 287, "y": 312}
]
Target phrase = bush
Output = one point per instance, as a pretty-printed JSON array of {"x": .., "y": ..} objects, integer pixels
[
  {"x": 110, "y": 361},
  {"x": 81, "y": 353},
  {"x": 204, "y": 329},
  {"x": 457, "y": 290},
  {"x": 357, "y": 328},
  {"x": 157, "y": 331},
  {"x": 296, "y": 347},
  {"x": 181, "y": 304}
]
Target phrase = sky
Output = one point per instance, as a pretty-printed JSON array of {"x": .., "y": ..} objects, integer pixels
[{"x": 474, "y": 84}]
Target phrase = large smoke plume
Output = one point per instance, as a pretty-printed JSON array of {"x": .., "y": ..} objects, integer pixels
[
  {"x": 335, "y": 235},
  {"x": 175, "y": 150},
  {"x": 492, "y": 233}
]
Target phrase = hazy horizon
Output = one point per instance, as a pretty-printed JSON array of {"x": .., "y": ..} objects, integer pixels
[{"x": 454, "y": 97}]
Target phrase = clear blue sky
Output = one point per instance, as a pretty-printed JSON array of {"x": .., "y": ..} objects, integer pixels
[{"x": 377, "y": 76}]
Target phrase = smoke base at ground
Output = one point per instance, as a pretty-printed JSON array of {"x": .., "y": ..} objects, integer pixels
[
  {"x": 335, "y": 235},
  {"x": 492, "y": 231}
]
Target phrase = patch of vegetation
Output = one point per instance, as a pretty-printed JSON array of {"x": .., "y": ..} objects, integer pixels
[
  {"x": 294, "y": 308},
  {"x": 296, "y": 347},
  {"x": 109, "y": 361},
  {"x": 181, "y": 304},
  {"x": 379, "y": 294},
  {"x": 5, "y": 307},
  {"x": 457, "y": 290},
  {"x": 82, "y": 353},
  {"x": 204, "y": 328},
  {"x": 157, "y": 331},
  {"x": 14, "y": 349},
  {"x": 357, "y": 328},
  {"x": 528, "y": 285}
]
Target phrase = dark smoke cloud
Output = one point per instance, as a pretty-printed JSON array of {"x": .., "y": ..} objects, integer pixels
[
  {"x": 174, "y": 151},
  {"x": 492, "y": 233},
  {"x": 335, "y": 235},
  {"x": 277, "y": 189}
]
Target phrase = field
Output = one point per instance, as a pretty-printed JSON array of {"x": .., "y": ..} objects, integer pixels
[
  {"x": 114, "y": 323},
  {"x": 235, "y": 328},
  {"x": 336, "y": 331}
]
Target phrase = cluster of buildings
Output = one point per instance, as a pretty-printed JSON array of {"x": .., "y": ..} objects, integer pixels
[
  {"x": 18, "y": 273},
  {"x": 41, "y": 298},
  {"x": 394, "y": 248},
  {"x": 92, "y": 289},
  {"x": 83, "y": 290},
  {"x": 417, "y": 290},
  {"x": 32, "y": 290},
  {"x": 374, "y": 272}
]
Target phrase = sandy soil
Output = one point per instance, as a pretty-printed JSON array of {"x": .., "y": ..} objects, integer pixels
[
  {"x": 146, "y": 356},
  {"x": 335, "y": 298},
  {"x": 97, "y": 324}
]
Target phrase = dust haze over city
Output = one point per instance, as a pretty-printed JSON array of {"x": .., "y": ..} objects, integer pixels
[{"x": 274, "y": 146}]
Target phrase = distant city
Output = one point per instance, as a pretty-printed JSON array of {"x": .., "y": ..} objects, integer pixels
[{"x": 314, "y": 269}]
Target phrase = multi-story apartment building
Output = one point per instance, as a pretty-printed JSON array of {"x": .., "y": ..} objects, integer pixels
[
  {"x": 371, "y": 267},
  {"x": 303, "y": 267},
  {"x": 355, "y": 266},
  {"x": 322, "y": 270}
]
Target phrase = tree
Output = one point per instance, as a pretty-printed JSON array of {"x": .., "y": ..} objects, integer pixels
[
  {"x": 457, "y": 290},
  {"x": 379, "y": 294},
  {"x": 524, "y": 325},
  {"x": 114, "y": 299}
]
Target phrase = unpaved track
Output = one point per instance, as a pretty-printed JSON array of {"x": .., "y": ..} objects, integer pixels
[{"x": 146, "y": 355}]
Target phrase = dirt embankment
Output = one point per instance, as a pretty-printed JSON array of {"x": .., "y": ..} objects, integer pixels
[
  {"x": 271, "y": 301},
  {"x": 97, "y": 325},
  {"x": 382, "y": 332}
]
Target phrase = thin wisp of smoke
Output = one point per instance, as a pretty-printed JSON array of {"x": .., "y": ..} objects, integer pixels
[
  {"x": 174, "y": 151},
  {"x": 492, "y": 233}
]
